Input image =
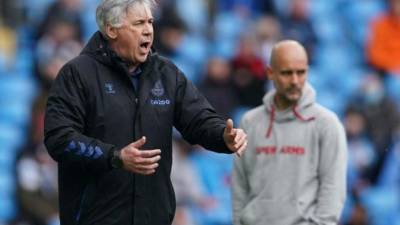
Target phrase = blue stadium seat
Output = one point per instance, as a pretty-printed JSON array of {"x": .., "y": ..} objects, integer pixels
[
  {"x": 320, "y": 9},
  {"x": 11, "y": 137},
  {"x": 17, "y": 88},
  {"x": 214, "y": 171},
  {"x": 224, "y": 48},
  {"x": 17, "y": 113},
  {"x": 328, "y": 30},
  {"x": 348, "y": 82},
  {"x": 3, "y": 65},
  {"x": 23, "y": 65},
  {"x": 238, "y": 114},
  {"x": 358, "y": 17},
  {"x": 88, "y": 16},
  {"x": 7, "y": 156},
  {"x": 25, "y": 37},
  {"x": 317, "y": 78},
  {"x": 331, "y": 100},
  {"x": 392, "y": 86},
  {"x": 334, "y": 58},
  {"x": 194, "y": 49},
  {"x": 35, "y": 12},
  {"x": 228, "y": 25},
  {"x": 382, "y": 204},
  {"x": 347, "y": 210},
  {"x": 187, "y": 68},
  {"x": 194, "y": 13},
  {"x": 7, "y": 181},
  {"x": 8, "y": 208}
]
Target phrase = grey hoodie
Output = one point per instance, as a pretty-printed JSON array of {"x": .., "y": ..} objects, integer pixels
[{"x": 294, "y": 169}]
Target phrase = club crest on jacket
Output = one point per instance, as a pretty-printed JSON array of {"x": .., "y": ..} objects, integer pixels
[{"x": 158, "y": 89}]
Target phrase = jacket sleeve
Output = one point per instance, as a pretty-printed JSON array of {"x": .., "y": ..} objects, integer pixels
[
  {"x": 196, "y": 119},
  {"x": 240, "y": 185},
  {"x": 331, "y": 172},
  {"x": 65, "y": 122}
]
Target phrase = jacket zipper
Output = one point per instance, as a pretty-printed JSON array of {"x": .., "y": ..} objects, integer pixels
[{"x": 78, "y": 214}]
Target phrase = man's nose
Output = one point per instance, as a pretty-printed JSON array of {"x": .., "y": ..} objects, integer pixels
[
  {"x": 295, "y": 78},
  {"x": 148, "y": 29}
]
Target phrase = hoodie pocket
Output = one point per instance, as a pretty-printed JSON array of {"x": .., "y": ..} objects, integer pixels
[{"x": 266, "y": 211}]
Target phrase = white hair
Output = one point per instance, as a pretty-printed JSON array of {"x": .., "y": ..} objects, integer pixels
[{"x": 111, "y": 11}]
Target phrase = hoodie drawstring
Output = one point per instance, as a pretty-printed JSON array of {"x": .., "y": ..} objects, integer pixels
[
  {"x": 299, "y": 116},
  {"x": 296, "y": 114},
  {"x": 271, "y": 121}
]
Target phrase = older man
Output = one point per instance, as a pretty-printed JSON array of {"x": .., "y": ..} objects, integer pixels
[
  {"x": 294, "y": 169},
  {"x": 109, "y": 122}
]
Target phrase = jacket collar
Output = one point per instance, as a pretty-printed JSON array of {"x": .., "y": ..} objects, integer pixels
[{"x": 99, "y": 49}]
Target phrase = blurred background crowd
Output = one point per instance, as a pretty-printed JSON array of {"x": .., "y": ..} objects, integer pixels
[{"x": 223, "y": 46}]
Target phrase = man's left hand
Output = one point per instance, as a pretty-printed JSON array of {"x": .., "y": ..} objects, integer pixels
[{"x": 235, "y": 139}]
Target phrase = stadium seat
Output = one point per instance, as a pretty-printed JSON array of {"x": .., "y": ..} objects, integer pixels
[
  {"x": 194, "y": 13},
  {"x": 214, "y": 171},
  {"x": 392, "y": 86},
  {"x": 381, "y": 204},
  {"x": 359, "y": 16}
]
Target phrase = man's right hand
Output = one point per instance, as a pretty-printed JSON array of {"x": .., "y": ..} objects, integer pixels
[{"x": 140, "y": 161}]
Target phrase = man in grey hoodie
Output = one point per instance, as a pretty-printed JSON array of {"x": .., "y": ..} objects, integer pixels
[{"x": 294, "y": 169}]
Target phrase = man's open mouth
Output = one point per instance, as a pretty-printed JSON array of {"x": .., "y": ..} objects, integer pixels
[{"x": 145, "y": 45}]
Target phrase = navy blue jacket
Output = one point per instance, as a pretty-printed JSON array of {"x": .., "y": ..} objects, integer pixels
[{"x": 93, "y": 110}]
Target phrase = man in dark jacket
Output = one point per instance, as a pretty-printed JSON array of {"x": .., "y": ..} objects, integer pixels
[{"x": 109, "y": 122}]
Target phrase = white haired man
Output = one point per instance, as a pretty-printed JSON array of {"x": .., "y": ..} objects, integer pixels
[{"x": 109, "y": 122}]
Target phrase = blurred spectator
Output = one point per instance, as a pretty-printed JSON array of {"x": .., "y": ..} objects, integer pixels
[
  {"x": 249, "y": 75},
  {"x": 10, "y": 13},
  {"x": 8, "y": 45},
  {"x": 297, "y": 25},
  {"x": 170, "y": 30},
  {"x": 55, "y": 48},
  {"x": 214, "y": 172},
  {"x": 362, "y": 157},
  {"x": 195, "y": 14},
  {"x": 268, "y": 32},
  {"x": 255, "y": 7},
  {"x": 217, "y": 86},
  {"x": 382, "y": 116},
  {"x": 62, "y": 10},
  {"x": 358, "y": 216},
  {"x": 266, "y": 7},
  {"x": 188, "y": 188},
  {"x": 37, "y": 175},
  {"x": 383, "y": 47}
]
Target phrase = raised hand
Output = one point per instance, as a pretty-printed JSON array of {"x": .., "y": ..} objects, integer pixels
[
  {"x": 235, "y": 139},
  {"x": 140, "y": 161}
]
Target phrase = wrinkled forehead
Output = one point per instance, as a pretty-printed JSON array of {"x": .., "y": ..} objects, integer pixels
[{"x": 290, "y": 56}]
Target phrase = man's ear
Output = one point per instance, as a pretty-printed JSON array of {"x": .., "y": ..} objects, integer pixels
[
  {"x": 111, "y": 32},
  {"x": 269, "y": 72}
]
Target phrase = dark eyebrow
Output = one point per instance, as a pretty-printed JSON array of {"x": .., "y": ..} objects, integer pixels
[{"x": 286, "y": 71}]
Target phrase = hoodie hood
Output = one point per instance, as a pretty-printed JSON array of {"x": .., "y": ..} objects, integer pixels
[
  {"x": 99, "y": 49},
  {"x": 299, "y": 111}
]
